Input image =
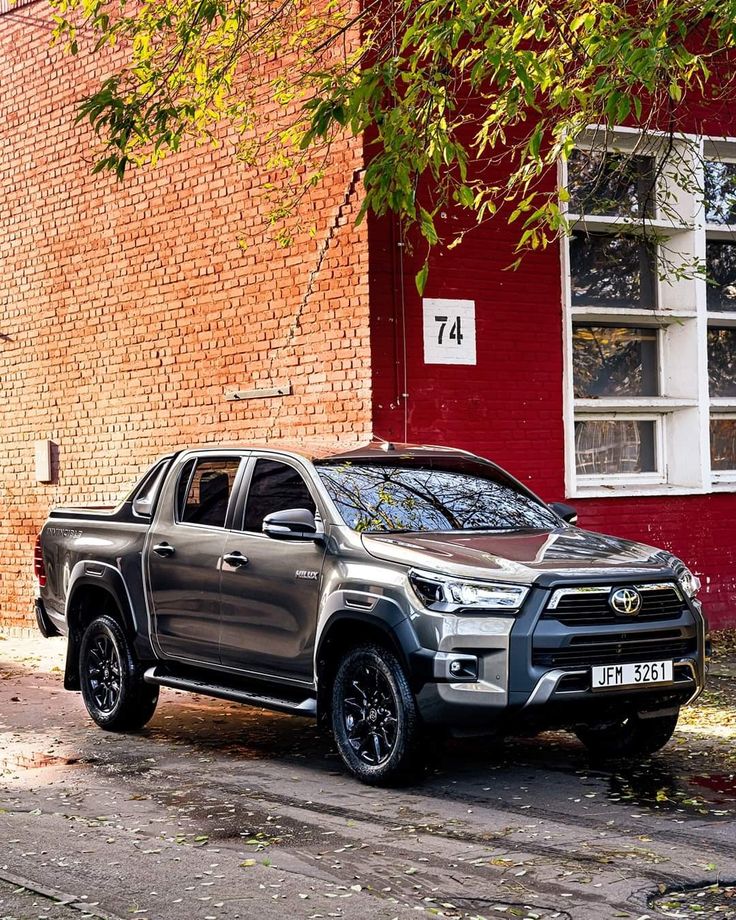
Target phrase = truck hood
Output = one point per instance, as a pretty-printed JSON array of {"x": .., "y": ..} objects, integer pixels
[{"x": 522, "y": 556}]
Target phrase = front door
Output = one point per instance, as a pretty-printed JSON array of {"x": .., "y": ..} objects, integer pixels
[
  {"x": 184, "y": 560},
  {"x": 270, "y": 587}
]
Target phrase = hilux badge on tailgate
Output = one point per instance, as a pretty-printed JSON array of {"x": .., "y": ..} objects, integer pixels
[{"x": 625, "y": 601}]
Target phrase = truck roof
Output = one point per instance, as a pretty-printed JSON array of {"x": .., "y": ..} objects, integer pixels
[{"x": 376, "y": 448}]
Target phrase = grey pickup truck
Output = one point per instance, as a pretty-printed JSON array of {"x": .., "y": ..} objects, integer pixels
[{"x": 393, "y": 591}]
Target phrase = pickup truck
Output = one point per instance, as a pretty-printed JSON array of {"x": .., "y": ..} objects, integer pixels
[{"x": 395, "y": 592}]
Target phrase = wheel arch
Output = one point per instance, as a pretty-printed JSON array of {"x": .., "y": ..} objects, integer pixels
[
  {"x": 349, "y": 628},
  {"x": 92, "y": 593}
]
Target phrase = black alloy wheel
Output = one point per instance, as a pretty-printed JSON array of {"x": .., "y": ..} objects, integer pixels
[
  {"x": 104, "y": 672},
  {"x": 375, "y": 720},
  {"x": 370, "y": 712},
  {"x": 111, "y": 678}
]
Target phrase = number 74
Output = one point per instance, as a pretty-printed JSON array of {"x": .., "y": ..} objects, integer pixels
[{"x": 455, "y": 335}]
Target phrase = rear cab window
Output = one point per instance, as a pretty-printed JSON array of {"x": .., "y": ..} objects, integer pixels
[{"x": 204, "y": 490}]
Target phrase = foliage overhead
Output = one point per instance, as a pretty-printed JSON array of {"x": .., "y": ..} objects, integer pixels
[{"x": 444, "y": 89}]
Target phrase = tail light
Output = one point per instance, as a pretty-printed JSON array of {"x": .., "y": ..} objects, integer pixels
[{"x": 39, "y": 569}]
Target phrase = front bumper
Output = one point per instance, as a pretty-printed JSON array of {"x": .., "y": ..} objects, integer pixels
[{"x": 532, "y": 668}]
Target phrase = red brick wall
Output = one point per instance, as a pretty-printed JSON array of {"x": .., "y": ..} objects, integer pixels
[
  {"x": 508, "y": 406},
  {"x": 127, "y": 310}
]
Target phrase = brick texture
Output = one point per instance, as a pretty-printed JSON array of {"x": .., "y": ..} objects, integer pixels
[{"x": 126, "y": 310}]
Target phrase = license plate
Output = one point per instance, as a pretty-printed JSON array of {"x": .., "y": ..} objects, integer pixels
[{"x": 629, "y": 675}]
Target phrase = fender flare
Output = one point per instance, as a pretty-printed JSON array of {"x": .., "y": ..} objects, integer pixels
[
  {"x": 103, "y": 577},
  {"x": 386, "y": 616},
  {"x": 376, "y": 611}
]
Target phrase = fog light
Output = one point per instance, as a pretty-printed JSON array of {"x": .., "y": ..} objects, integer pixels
[{"x": 455, "y": 667}]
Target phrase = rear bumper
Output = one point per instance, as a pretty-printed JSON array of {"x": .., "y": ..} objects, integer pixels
[{"x": 46, "y": 625}]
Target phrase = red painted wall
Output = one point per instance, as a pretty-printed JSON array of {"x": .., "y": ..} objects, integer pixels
[{"x": 508, "y": 406}]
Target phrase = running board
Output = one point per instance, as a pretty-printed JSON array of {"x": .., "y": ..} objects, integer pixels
[{"x": 307, "y": 707}]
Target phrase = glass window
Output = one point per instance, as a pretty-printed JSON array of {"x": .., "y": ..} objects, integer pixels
[
  {"x": 614, "y": 361},
  {"x": 611, "y": 271},
  {"x": 722, "y": 361},
  {"x": 723, "y": 443},
  {"x": 208, "y": 491},
  {"x": 431, "y": 496},
  {"x": 721, "y": 268},
  {"x": 275, "y": 486},
  {"x": 611, "y": 184},
  {"x": 615, "y": 446},
  {"x": 720, "y": 192}
]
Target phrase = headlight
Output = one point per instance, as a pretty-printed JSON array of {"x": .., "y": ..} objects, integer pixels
[
  {"x": 444, "y": 593},
  {"x": 689, "y": 583}
]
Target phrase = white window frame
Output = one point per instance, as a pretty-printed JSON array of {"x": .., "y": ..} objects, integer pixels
[
  {"x": 683, "y": 409},
  {"x": 606, "y": 480}
]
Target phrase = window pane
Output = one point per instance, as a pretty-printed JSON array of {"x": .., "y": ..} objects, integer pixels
[
  {"x": 431, "y": 496},
  {"x": 611, "y": 271},
  {"x": 723, "y": 443},
  {"x": 721, "y": 266},
  {"x": 722, "y": 361},
  {"x": 720, "y": 193},
  {"x": 603, "y": 447},
  {"x": 614, "y": 361},
  {"x": 611, "y": 183},
  {"x": 209, "y": 492},
  {"x": 275, "y": 486}
]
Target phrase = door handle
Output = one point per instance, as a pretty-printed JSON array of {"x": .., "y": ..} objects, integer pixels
[
  {"x": 235, "y": 558},
  {"x": 164, "y": 549}
]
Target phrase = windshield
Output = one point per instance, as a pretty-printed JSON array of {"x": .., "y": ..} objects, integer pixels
[{"x": 431, "y": 495}]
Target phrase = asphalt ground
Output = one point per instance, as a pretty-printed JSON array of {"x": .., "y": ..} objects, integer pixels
[{"x": 221, "y": 811}]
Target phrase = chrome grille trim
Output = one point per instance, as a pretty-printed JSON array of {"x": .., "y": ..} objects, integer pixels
[{"x": 606, "y": 589}]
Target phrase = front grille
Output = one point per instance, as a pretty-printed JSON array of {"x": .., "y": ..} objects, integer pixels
[
  {"x": 619, "y": 648},
  {"x": 589, "y": 607}
]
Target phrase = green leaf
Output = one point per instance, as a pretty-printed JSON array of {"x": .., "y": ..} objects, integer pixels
[{"x": 420, "y": 279}]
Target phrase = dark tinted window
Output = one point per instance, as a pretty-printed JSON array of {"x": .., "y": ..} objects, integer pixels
[
  {"x": 722, "y": 361},
  {"x": 720, "y": 259},
  {"x": 614, "y": 361},
  {"x": 720, "y": 192},
  {"x": 203, "y": 498},
  {"x": 431, "y": 496},
  {"x": 722, "y": 443},
  {"x": 613, "y": 271},
  {"x": 611, "y": 183},
  {"x": 275, "y": 486}
]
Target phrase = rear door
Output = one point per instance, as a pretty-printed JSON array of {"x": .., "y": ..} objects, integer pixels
[
  {"x": 185, "y": 550},
  {"x": 270, "y": 587}
]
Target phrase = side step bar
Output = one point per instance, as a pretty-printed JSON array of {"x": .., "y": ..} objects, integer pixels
[{"x": 307, "y": 707}]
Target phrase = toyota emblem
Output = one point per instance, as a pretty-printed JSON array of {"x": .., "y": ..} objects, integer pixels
[{"x": 625, "y": 602}]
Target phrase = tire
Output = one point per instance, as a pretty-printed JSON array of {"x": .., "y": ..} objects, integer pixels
[
  {"x": 375, "y": 721},
  {"x": 111, "y": 679},
  {"x": 628, "y": 736}
]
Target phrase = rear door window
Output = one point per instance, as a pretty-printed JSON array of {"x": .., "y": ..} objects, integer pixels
[{"x": 205, "y": 488}]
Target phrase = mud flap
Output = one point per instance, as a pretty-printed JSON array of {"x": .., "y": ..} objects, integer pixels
[{"x": 71, "y": 671}]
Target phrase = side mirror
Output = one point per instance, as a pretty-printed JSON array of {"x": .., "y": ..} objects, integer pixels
[
  {"x": 566, "y": 512},
  {"x": 142, "y": 506},
  {"x": 292, "y": 524}
]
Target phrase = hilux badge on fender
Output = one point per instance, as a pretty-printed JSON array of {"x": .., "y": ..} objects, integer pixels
[
  {"x": 306, "y": 573},
  {"x": 625, "y": 601}
]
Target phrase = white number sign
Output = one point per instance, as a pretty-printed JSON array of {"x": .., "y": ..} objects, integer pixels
[{"x": 449, "y": 331}]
